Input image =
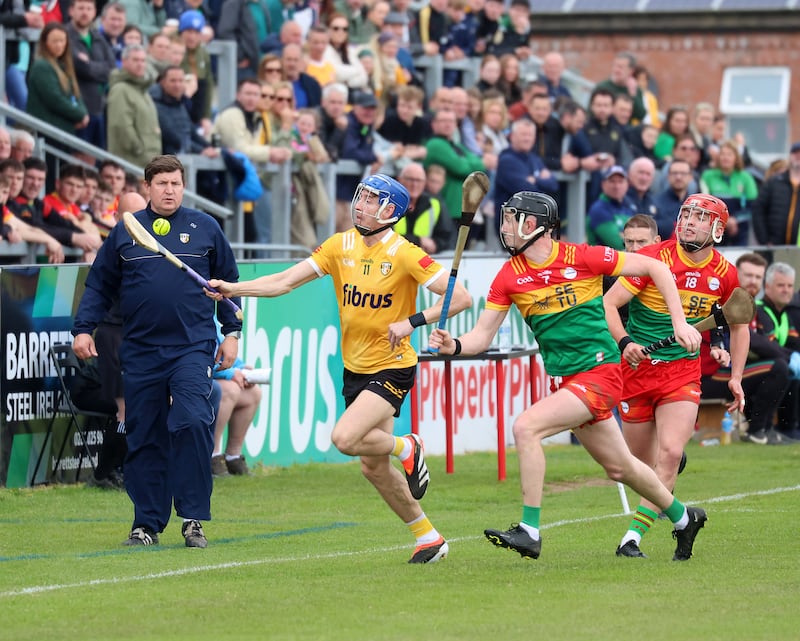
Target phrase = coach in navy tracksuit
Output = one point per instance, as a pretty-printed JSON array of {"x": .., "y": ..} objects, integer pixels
[{"x": 167, "y": 354}]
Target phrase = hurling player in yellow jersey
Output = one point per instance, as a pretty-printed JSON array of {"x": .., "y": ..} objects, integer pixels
[
  {"x": 661, "y": 392},
  {"x": 558, "y": 288},
  {"x": 376, "y": 276}
]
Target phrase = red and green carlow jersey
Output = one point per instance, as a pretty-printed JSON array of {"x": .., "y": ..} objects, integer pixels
[
  {"x": 561, "y": 300},
  {"x": 699, "y": 284}
]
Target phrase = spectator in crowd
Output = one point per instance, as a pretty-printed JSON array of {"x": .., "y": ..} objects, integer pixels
[
  {"x": 676, "y": 124},
  {"x": 641, "y": 174},
  {"x": 778, "y": 319},
  {"x": 148, "y": 15},
  {"x": 457, "y": 160},
  {"x": 240, "y": 127},
  {"x": 237, "y": 407},
  {"x": 776, "y": 210},
  {"x": 737, "y": 187},
  {"x": 576, "y": 150},
  {"x": 108, "y": 338},
  {"x": 488, "y": 24},
  {"x": 113, "y": 174},
  {"x": 132, "y": 35},
  {"x": 54, "y": 95},
  {"x": 405, "y": 129},
  {"x": 178, "y": 133},
  {"x": 700, "y": 128},
  {"x": 16, "y": 230},
  {"x": 621, "y": 80},
  {"x": 520, "y": 168},
  {"x": 603, "y": 132},
  {"x": 459, "y": 42},
  {"x": 158, "y": 56},
  {"x": 548, "y": 132},
  {"x": 519, "y": 109},
  {"x": 388, "y": 75},
  {"x": 435, "y": 177},
  {"x": 607, "y": 216},
  {"x": 357, "y": 145},
  {"x": 15, "y": 16},
  {"x": 112, "y": 24},
  {"x": 766, "y": 374},
  {"x": 317, "y": 66},
  {"x": 168, "y": 352},
  {"x": 649, "y": 99},
  {"x": 509, "y": 82},
  {"x": 668, "y": 202},
  {"x": 466, "y": 133},
  {"x": 642, "y": 142},
  {"x": 133, "y": 131},
  {"x": 270, "y": 69},
  {"x": 552, "y": 75},
  {"x": 30, "y": 208},
  {"x": 22, "y": 144},
  {"x": 246, "y": 23},
  {"x": 102, "y": 208},
  {"x": 410, "y": 37},
  {"x": 197, "y": 62},
  {"x": 621, "y": 112},
  {"x": 513, "y": 36},
  {"x": 427, "y": 222},
  {"x": 93, "y": 60},
  {"x": 434, "y": 24},
  {"x": 5, "y": 143},
  {"x": 493, "y": 124},
  {"x": 344, "y": 56},
  {"x": 376, "y": 385},
  {"x": 489, "y": 74},
  {"x": 64, "y": 201},
  {"x": 333, "y": 118},
  {"x": 290, "y": 33},
  {"x": 307, "y": 92},
  {"x": 396, "y": 23},
  {"x": 685, "y": 149}
]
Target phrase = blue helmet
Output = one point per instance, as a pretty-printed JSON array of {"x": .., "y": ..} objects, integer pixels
[{"x": 389, "y": 192}]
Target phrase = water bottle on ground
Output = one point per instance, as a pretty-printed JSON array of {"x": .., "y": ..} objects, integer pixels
[{"x": 727, "y": 429}]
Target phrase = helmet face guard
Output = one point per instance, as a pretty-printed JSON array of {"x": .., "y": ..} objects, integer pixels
[
  {"x": 522, "y": 205},
  {"x": 387, "y": 191},
  {"x": 697, "y": 209}
]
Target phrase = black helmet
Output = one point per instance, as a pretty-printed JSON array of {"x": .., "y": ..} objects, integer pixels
[{"x": 529, "y": 203}]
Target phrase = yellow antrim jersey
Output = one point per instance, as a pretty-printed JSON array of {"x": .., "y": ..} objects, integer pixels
[{"x": 375, "y": 286}]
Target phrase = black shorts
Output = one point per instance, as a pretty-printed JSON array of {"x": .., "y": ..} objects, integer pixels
[
  {"x": 107, "y": 339},
  {"x": 390, "y": 384}
]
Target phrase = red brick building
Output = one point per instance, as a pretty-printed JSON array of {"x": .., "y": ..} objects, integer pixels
[{"x": 685, "y": 53}]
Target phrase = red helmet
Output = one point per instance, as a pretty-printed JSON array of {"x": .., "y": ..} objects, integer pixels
[{"x": 706, "y": 205}]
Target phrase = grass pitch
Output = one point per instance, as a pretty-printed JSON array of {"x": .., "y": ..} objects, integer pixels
[{"x": 311, "y": 552}]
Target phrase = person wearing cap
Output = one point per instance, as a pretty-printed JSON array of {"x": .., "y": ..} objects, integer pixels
[
  {"x": 357, "y": 144},
  {"x": 197, "y": 63},
  {"x": 776, "y": 212},
  {"x": 148, "y": 15},
  {"x": 396, "y": 23},
  {"x": 609, "y": 213}
]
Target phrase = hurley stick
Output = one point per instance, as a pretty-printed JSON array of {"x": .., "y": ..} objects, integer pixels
[
  {"x": 473, "y": 191},
  {"x": 144, "y": 238},
  {"x": 739, "y": 309}
]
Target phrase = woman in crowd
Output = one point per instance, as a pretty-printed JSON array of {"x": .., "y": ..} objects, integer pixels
[
  {"x": 675, "y": 124},
  {"x": 344, "y": 57},
  {"x": 509, "y": 82},
  {"x": 730, "y": 182}
]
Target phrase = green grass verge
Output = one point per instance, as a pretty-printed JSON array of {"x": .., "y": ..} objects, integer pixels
[{"x": 311, "y": 552}]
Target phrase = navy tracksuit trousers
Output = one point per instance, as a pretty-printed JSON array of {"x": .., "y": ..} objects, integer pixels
[{"x": 169, "y": 419}]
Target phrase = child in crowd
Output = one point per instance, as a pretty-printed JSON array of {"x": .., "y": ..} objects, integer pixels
[
  {"x": 435, "y": 177},
  {"x": 103, "y": 208}
]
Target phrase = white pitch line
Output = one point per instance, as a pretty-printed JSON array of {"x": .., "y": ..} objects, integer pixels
[{"x": 39, "y": 589}]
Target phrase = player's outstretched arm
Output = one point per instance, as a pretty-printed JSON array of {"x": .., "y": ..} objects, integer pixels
[
  {"x": 266, "y": 286},
  {"x": 476, "y": 340}
]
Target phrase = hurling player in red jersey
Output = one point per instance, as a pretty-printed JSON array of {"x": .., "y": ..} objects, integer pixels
[
  {"x": 558, "y": 288},
  {"x": 661, "y": 392},
  {"x": 376, "y": 277}
]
